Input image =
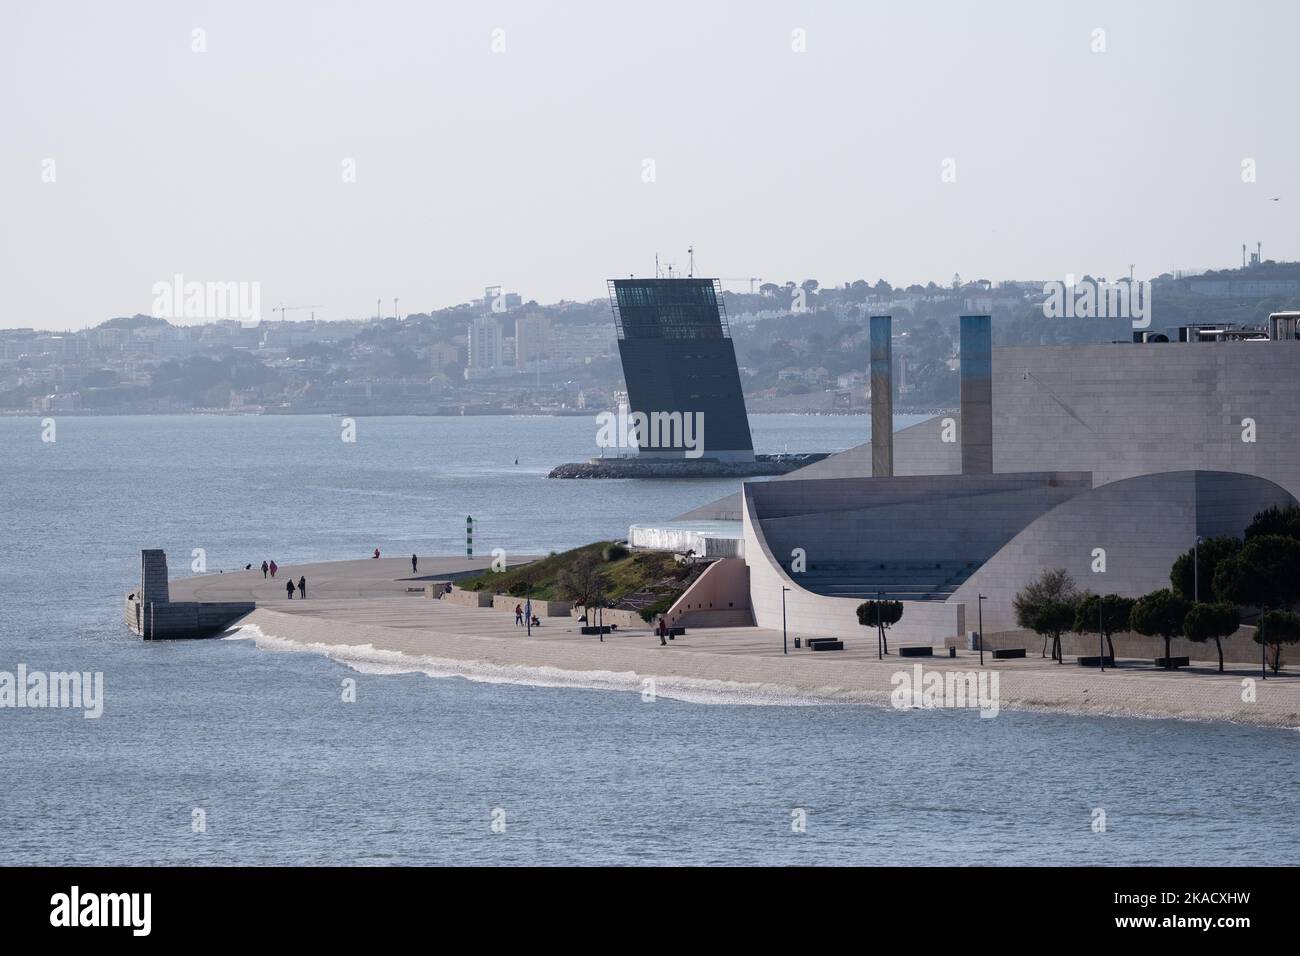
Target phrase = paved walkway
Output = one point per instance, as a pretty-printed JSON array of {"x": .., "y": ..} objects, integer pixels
[{"x": 364, "y": 578}]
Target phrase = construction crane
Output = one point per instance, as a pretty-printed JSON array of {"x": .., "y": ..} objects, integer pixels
[
  {"x": 296, "y": 308},
  {"x": 750, "y": 279}
]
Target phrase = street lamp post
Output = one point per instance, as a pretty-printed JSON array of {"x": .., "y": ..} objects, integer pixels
[
  {"x": 785, "y": 646},
  {"x": 880, "y": 601},
  {"x": 1196, "y": 570},
  {"x": 1101, "y": 635},
  {"x": 979, "y": 604}
]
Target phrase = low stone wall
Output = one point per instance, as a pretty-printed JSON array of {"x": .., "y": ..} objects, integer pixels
[
  {"x": 507, "y": 602},
  {"x": 468, "y": 598}
]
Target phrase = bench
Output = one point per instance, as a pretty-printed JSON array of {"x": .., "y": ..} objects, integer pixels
[
  {"x": 826, "y": 644},
  {"x": 1173, "y": 662},
  {"x": 916, "y": 650},
  {"x": 1096, "y": 661},
  {"x": 1006, "y": 653},
  {"x": 594, "y": 629},
  {"x": 676, "y": 632}
]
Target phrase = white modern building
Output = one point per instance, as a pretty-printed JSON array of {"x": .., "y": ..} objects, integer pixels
[{"x": 1107, "y": 460}]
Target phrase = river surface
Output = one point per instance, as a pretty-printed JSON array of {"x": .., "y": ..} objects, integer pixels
[{"x": 218, "y": 752}]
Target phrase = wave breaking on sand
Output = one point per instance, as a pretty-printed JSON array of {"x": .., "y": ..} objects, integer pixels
[{"x": 368, "y": 659}]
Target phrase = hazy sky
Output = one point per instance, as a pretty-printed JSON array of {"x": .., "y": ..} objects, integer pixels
[{"x": 526, "y": 167}]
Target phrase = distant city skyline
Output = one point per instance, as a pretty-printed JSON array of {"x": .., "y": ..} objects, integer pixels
[{"x": 343, "y": 155}]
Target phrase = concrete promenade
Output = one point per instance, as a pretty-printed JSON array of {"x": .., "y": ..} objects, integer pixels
[
  {"x": 367, "y": 604},
  {"x": 361, "y": 578}
]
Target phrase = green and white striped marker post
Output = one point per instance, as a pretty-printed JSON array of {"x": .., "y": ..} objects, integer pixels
[{"x": 469, "y": 536}]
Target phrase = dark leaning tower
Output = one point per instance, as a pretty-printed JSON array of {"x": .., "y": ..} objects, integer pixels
[{"x": 677, "y": 354}]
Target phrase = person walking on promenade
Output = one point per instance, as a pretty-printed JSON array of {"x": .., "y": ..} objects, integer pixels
[
  {"x": 288, "y": 588},
  {"x": 519, "y": 616},
  {"x": 274, "y": 567},
  {"x": 302, "y": 586},
  {"x": 663, "y": 631},
  {"x": 265, "y": 568},
  {"x": 414, "y": 568}
]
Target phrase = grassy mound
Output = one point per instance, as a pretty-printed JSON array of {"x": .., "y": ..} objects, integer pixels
[{"x": 635, "y": 579}]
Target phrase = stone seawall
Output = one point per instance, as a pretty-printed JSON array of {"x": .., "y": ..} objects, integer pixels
[{"x": 180, "y": 620}]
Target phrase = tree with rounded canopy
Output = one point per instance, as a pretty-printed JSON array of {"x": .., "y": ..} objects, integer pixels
[
  {"x": 881, "y": 615},
  {"x": 1203, "y": 560},
  {"x": 1211, "y": 621},
  {"x": 1264, "y": 574},
  {"x": 1276, "y": 628},
  {"x": 1160, "y": 614},
  {"x": 1053, "y": 619},
  {"x": 1115, "y": 611},
  {"x": 1046, "y": 606},
  {"x": 1281, "y": 521}
]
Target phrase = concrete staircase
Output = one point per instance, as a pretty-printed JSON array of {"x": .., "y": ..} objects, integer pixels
[{"x": 898, "y": 580}]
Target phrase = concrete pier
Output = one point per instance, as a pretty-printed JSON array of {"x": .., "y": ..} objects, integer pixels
[
  {"x": 152, "y": 615},
  {"x": 371, "y": 578},
  {"x": 209, "y": 604}
]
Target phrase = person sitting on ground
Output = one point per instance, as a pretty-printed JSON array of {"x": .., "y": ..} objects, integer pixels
[
  {"x": 288, "y": 588},
  {"x": 536, "y": 622},
  {"x": 376, "y": 554}
]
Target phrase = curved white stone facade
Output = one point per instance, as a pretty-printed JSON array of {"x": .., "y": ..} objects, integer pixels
[{"x": 1179, "y": 439}]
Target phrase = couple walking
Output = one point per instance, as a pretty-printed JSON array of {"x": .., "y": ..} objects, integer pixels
[
  {"x": 272, "y": 567},
  {"x": 302, "y": 587}
]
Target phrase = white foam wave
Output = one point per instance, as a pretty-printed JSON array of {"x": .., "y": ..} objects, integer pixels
[{"x": 368, "y": 659}]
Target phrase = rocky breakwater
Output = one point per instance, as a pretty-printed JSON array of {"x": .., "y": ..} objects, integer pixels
[{"x": 685, "y": 468}]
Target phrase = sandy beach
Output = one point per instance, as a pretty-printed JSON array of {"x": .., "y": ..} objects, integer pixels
[{"x": 373, "y": 615}]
